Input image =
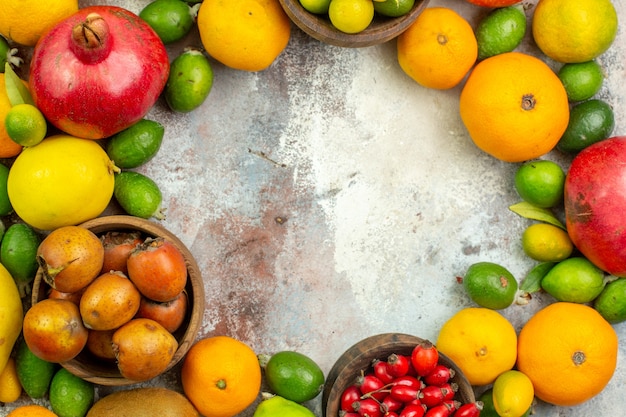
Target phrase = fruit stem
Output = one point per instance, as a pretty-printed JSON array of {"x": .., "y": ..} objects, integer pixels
[{"x": 91, "y": 41}]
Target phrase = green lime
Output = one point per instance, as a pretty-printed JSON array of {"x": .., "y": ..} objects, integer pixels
[
  {"x": 490, "y": 285},
  {"x": 393, "y": 8},
  {"x": 189, "y": 82},
  {"x": 575, "y": 280},
  {"x": 138, "y": 195},
  {"x": 545, "y": 242},
  {"x": 135, "y": 145},
  {"x": 5, "y": 204},
  {"x": 502, "y": 30},
  {"x": 351, "y": 16},
  {"x": 18, "y": 254},
  {"x": 294, "y": 376},
  {"x": 315, "y": 6},
  {"x": 540, "y": 183},
  {"x": 70, "y": 396},
  {"x": 582, "y": 80},
  {"x": 611, "y": 303},
  {"x": 171, "y": 19},
  {"x": 279, "y": 406},
  {"x": 35, "y": 374},
  {"x": 25, "y": 124},
  {"x": 589, "y": 122}
]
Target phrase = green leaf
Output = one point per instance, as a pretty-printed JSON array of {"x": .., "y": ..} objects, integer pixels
[
  {"x": 532, "y": 281},
  {"x": 17, "y": 92},
  {"x": 529, "y": 211}
]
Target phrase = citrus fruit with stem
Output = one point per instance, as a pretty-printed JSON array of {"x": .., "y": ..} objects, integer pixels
[
  {"x": 540, "y": 183},
  {"x": 25, "y": 124},
  {"x": 502, "y": 30},
  {"x": 575, "y": 359},
  {"x": 590, "y": 121},
  {"x": 393, "y": 8},
  {"x": 512, "y": 117},
  {"x": 73, "y": 176},
  {"x": 611, "y": 303},
  {"x": 438, "y": 49},
  {"x": 31, "y": 410},
  {"x": 8, "y": 147},
  {"x": 481, "y": 341},
  {"x": 351, "y": 16},
  {"x": 247, "y": 35},
  {"x": 24, "y": 21},
  {"x": 490, "y": 285},
  {"x": 221, "y": 376},
  {"x": 574, "y": 30},
  {"x": 576, "y": 280},
  {"x": 582, "y": 80},
  {"x": 546, "y": 243},
  {"x": 513, "y": 394},
  {"x": 316, "y": 6}
]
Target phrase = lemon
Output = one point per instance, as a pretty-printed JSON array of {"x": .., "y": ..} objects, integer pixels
[
  {"x": 393, "y": 8},
  {"x": 611, "y": 303},
  {"x": 279, "y": 406},
  {"x": 490, "y": 285},
  {"x": 540, "y": 183},
  {"x": 60, "y": 182},
  {"x": 294, "y": 376},
  {"x": 546, "y": 243},
  {"x": 575, "y": 280},
  {"x": 24, "y": 21},
  {"x": 351, "y": 16},
  {"x": 513, "y": 394},
  {"x": 70, "y": 396},
  {"x": 25, "y": 124},
  {"x": 574, "y": 30},
  {"x": 315, "y": 6},
  {"x": 582, "y": 80},
  {"x": 502, "y": 30},
  {"x": 171, "y": 19},
  {"x": 10, "y": 387},
  {"x": 489, "y": 409}
]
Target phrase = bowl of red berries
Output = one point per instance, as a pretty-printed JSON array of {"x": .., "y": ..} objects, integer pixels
[{"x": 395, "y": 374}]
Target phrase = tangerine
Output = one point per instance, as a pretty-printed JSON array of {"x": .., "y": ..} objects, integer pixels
[
  {"x": 221, "y": 376},
  {"x": 575, "y": 359},
  {"x": 438, "y": 49},
  {"x": 31, "y": 410},
  {"x": 514, "y": 118}
]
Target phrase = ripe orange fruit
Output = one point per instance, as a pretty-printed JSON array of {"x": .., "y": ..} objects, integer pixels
[
  {"x": 514, "y": 107},
  {"x": 481, "y": 341},
  {"x": 221, "y": 376},
  {"x": 31, "y": 410},
  {"x": 568, "y": 351},
  {"x": 438, "y": 49},
  {"x": 246, "y": 35}
]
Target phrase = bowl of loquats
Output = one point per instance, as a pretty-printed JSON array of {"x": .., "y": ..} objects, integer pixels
[
  {"x": 381, "y": 29},
  {"x": 159, "y": 329},
  {"x": 366, "y": 373}
]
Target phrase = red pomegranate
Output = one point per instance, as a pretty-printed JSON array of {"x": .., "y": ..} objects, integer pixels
[
  {"x": 595, "y": 204},
  {"x": 98, "y": 71}
]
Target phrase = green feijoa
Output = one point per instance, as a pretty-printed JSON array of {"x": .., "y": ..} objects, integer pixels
[
  {"x": 5, "y": 204},
  {"x": 135, "y": 145},
  {"x": 18, "y": 254},
  {"x": 70, "y": 395},
  {"x": 611, "y": 303},
  {"x": 34, "y": 373},
  {"x": 189, "y": 82},
  {"x": 138, "y": 195},
  {"x": 171, "y": 19},
  {"x": 490, "y": 285},
  {"x": 294, "y": 376},
  {"x": 502, "y": 30},
  {"x": 589, "y": 122}
]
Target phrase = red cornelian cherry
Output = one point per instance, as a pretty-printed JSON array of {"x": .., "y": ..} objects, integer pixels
[
  {"x": 424, "y": 358},
  {"x": 412, "y": 410},
  {"x": 371, "y": 386},
  {"x": 469, "y": 410},
  {"x": 382, "y": 371},
  {"x": 440, "y": 375},
  {"x": 431, "y": 395},
  {"x": 368, "y": 407},
  {"x": 349, "y": 396},
  {"x": 398, "y": 364}
]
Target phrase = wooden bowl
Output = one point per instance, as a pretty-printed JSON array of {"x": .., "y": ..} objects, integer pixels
[
  {"x": 382, "y": 29},
  {"x": 90, "y": 368},
  {"x": 359, "y": 358}
]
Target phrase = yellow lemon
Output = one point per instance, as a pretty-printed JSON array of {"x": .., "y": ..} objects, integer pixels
[
  {"x": 351, "y": 16},
  {"x": 246, "y": 35},
  {"x": 574, "y": 30},
  {"x": 62, "y": 181},
  {"x": 24, "y": 21},
  {"x": 513, "y": 394},
  {"x": 546, "y": 243}
]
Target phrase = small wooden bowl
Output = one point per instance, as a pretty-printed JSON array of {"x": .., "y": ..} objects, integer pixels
[
  {"x": 382, "y": 29},
  {"x": 98, "y": 371},
  {"x": 360, "y": 357}
]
